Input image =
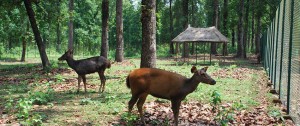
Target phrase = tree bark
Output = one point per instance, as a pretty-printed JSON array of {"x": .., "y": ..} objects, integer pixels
[
  {"x": 171, "y": 29},
  {"x": 23, "y": 48},
  {"x": 120, "y": 40},
  {"x": 148, "y": 19},
  {"x": 215, "y": 23},
  {"x": 58, "y": 31},
  {"x": 240, "y": 49},
  {"x": 36, "y": 33},
  {"x": 245, "y": 37},
  {"x": 71, "y": 28},
  {"x": 225, "y": 29},
  {"x": 104, "y": 38},
  {"x": 257, "y": 36},
  {"x": 232, "y": 38},
  {"x": 193, "y": 23},
  {"x": 185, "y": 6},
  {"x": 253, "y": 27}
]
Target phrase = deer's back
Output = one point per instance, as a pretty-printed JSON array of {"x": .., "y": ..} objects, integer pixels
[
  {"x": 91, "y": 65},
  {"x": 157, "y": 82}
]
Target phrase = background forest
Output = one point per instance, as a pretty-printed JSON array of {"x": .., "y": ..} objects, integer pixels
[{"x": 53, "y": 17}]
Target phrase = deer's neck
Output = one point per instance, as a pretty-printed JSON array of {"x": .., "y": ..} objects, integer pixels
[
  {"x": 191, "y": 84},
  {"x": 71, "y": 62}
]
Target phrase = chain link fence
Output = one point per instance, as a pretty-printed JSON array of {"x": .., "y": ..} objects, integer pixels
[{"x": 280, "y": 48}]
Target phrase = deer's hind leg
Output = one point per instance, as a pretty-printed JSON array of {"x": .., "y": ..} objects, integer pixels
[
  {"x": 79, "y": 81},
  {"x": 140, "y": 104}
]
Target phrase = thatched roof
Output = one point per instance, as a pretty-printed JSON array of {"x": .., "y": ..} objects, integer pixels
[{"x": 210, "y": 34}]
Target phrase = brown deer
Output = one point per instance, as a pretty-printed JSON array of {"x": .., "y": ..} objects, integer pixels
[
  {"x": 163, "y": 84},
  {"x": 87, "y": 66}
]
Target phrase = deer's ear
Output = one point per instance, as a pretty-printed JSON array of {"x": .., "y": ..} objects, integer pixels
[
  {"x": 194, "y": 69},
  {"x": 205, "y": 69}
]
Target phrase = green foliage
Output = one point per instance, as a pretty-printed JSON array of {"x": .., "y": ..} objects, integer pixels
[
  {"x": 59, "y": 78},
  {"x": 276, "y": 113},
  {"x": 9, "y": 103},
  {"x": 2, "y": 49},
  {"x": 224, "y": 114},
  {"x": 232, "y": 66},
  {"x": 216, "y": 98},
  {"x": 41, "y": 98},
  {"x": 23, "y": 107},
  {"x": 129, "y": 118},
  {"x": 34, "y": 120},
  {"x": 85, "y": 101}
]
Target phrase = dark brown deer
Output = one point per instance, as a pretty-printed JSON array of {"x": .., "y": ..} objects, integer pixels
[
  {"x": 87, "y": 66},
  {"x": 163, "y": 84}
]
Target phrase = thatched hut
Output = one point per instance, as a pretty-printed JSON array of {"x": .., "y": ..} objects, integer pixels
[{"x": 200, "y": 35}]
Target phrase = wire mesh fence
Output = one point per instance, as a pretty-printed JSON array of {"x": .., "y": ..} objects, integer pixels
[{"x": 281, "y": 55}]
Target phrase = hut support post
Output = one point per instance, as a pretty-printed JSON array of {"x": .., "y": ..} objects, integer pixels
[
  {"x": 196, "y": 52},
  {"x": 210, "y": 54}
]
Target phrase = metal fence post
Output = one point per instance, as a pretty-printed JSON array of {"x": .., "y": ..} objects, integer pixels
[
  {"x": 290, "y": 57},
  {"x": 281, "y": 58},
  {"x": 278, "y": 16}
]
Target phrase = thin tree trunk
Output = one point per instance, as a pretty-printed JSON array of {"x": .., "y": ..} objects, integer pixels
[
  {"x": 193, "y": 24},
  {"x": 257, "y": 37},
  {"x": 225, "y": 29},
  {"x": 148, "y": 19},
  {"x": 233, "y": 37},
  {"x": 215, "y": 23},
  {"x": 245, "y": 37},
  {"x": 240, "y": 49},
  {"x": 104, "y": 39},
  {"x": 36, "y": 33},
  {"x": 58, "y": 32},
  {"x": 253, "y": 27},
  {"x": 23, "y": 48},
  {"x": 119, "y": 21},
  {"x": 71, "y": 37},
  {"x": 171, "y": 29},
  {"x": 185, "y": 6}
]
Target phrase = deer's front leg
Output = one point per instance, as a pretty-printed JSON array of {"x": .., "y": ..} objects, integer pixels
[
  {"x": 79, "y": 81},
  {"x": 84, "y": 82},
  {"x": 175, "y": 108},
  {"x": 103, "y": 80}
]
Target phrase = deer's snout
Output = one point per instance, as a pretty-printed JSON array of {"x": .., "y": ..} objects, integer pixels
[
  {"x": 213, "y": 82},
  {"x": 60, "y": 59}
]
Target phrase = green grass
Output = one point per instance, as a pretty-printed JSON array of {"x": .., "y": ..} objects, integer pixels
[{"x": 70, "y": 108}]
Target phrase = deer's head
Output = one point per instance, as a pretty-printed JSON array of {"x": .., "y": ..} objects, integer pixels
[
  {"x": 202, "y": 76},
  {"x": 68, "y": 54}
]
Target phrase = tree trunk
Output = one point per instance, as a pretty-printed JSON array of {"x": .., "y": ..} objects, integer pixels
[
  {"x": 120, "y": 40},
  {"x": 185, "y": 6},
  {"x": 148, "y": 19},
  {"x": 215, "y": 23},
  {"x": 23, "y": 48},
  {"x": 240, "y": 49},
  {"x": 36, "y": 33},
  {"x": 233, "y": 37},
  {"x": 71, "y": 37},
  {"x": 253, "y": 28},
  {"x": 171, "y": 29},
  {"x": 225, "y": 29},
  {"x": 245, "y": 37},
  {"x": 193, "y": 24},
  {"x": 104, "y": 38},
  {"x": 58, "y": 31},
  {"x": 257, "y": 37}
]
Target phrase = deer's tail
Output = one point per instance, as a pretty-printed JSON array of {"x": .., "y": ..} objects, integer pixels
[{"x": 127, "y": 82}]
